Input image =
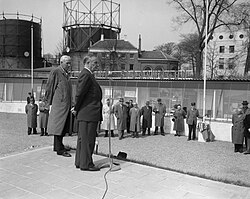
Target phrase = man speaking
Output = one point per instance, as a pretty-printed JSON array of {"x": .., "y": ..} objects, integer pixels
[{"x": 88, "y": 111}]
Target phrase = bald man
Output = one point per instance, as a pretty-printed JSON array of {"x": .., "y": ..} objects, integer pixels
[{"x": 58, "y": 94}]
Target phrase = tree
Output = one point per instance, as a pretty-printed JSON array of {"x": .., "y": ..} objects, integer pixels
[
  {"x": 171, "y": 49},
  {"x": 189, "y": 49},
  {"x": 242, "y": 12},
  {"x": 194, "y": 11}
]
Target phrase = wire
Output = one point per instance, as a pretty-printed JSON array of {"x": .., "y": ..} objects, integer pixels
[{"x": 106, "y": 183}]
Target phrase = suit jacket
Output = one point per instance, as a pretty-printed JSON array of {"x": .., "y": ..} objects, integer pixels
[
  {"x": 88, "y": 101},
  {"x": 247, "y": 125},
  {"x": 192, "y": 116}
]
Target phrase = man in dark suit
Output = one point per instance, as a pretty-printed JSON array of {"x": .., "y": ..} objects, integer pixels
[
  {"x": 88, "y": 111},
  {"x": 191, "y": 120},
  {"x": 146, "y": 113}
]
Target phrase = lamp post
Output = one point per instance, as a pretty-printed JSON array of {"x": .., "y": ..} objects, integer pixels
[
  {"x": 32, "y": 60},
  {"x": 205, "y": 65}
]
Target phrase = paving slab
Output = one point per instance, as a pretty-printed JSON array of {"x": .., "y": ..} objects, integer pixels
[{"x": 41, "y": 174}]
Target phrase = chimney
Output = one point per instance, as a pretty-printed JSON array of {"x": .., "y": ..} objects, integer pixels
[
  {"x": 102, "y": 37},
  {"x": 139, "y": 48}
]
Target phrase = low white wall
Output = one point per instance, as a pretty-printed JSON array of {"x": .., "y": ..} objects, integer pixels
[
  {"x": 12, "y": 107},
  {"x": 221, "y": 130}
]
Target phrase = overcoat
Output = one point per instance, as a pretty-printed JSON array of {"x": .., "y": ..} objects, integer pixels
[
  {"x": 134, "y": 119},
  {"x": 58, "y": 94},
  {"x": 192, "y": 115},
  {"x": 121, "y": 113},
  {"x": 105, "y": 113},
  {"x": 238, "y": 128},
  {"x": 43, "y": 114},
  {"x": 247, "y": 125},
  {"x": 146, "y": 113},
  {"x": 160, "y": 111},
  {"x": 31, "y": 111},
  {"x": 179, "y": 120}
]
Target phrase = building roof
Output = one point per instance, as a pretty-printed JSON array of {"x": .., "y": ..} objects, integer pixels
[
  {"x": 156, "y": 54},
  {"x": 112, "y": 44}
]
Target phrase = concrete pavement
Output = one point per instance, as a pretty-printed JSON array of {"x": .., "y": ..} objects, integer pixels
[{"x": 41, "y": 174}]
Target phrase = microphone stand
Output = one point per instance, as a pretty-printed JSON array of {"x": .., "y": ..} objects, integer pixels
[{"x": 113, "y": 166}]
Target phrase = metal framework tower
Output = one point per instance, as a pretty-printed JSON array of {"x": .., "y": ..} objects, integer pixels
[{"x": 86, "y": 20}]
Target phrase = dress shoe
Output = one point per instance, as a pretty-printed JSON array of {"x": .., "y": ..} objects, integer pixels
[
  {"x": 65, "y": 154},
  {"x": 163, "y": 134},
  {"x": 175, "y": 134},
  {"x": 188, "y": 139},
  {"x": 246, "y": 152},
  {"x": 91, "y": 169}
]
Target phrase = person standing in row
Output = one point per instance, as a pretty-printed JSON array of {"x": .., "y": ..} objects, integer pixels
[
  {"x": 160, "y": 111},
  {"x": 121, "y": 114},
  {"x": 130, "y": 105},
  {"x": 108, "y": 122},
  {"x": 146, "y": 113},
  {"x": 135, "y": 125},
  {"x": 191, "y": 120},
  {"x": 179, "y": 116},
  {"x": 88, "y": 111},
  {"x": 43, "y": 116},
  {"x": 58, "y": 94},
  {"x": 246, "y": 122},
  {"x": 245, "y": 111},
  {"x": 238, "y": 130},
  {"x": 31, "y": 111}
]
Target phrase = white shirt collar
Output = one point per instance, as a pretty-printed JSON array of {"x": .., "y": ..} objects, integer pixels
[{"x": 88, "y": 70}]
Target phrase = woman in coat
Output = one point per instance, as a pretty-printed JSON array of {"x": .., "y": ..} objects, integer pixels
[
  {"x": 179, "y": 116},
  {"x": 108, "y": 122},
  {"x": 134, "y": 114},
  {"x": 43, "y": 117},
  {"x": 238, "y": 130},
  {"x": 31, "y": 111}
]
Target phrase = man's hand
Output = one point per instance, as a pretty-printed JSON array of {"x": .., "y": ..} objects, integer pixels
[{"x": 73, "y": 111}]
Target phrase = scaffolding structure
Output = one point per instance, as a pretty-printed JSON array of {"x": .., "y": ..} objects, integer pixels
[{"x": 85, "y": 21}]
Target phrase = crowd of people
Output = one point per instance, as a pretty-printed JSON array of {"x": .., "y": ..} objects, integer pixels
[
  {"x": 89, "y": 113},
  {"x": 241, "y": 128}
]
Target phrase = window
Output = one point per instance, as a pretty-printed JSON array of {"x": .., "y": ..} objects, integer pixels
[
  {"x": 241, "y": 36},
  {"x": 123, "y": 55},
  {"x": 221, "y": 63},
  {"x": 131, "y": 56},
  {"x": 231, "y": 36},
  {"x": 222, "y": 49},
  {"x": 231, "y": 63},
  {"x": 122, "y": 66},
  {"x": 131, "y": 66},
  {"x": 103, "y": 55},
  {"x": 231, "y": 49},
  {"x": 221, "y": 37}
]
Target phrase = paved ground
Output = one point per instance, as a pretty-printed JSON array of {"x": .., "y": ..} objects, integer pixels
[{"x": 41, "y": 174}]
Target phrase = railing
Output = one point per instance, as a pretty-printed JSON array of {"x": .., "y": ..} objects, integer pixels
[{"x": 168, "y": 74}]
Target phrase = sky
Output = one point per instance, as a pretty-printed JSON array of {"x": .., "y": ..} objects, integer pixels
[{"x": 150, "y": 18}]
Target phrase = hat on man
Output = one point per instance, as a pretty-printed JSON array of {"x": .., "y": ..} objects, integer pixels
[
  {"x": 244, "y": 103},
  {"x": 159, "y": 100},
  {"x": 193, "y": 104},
  {"x": 121, "y": 100}
]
